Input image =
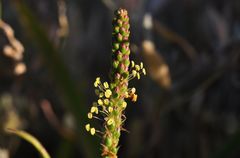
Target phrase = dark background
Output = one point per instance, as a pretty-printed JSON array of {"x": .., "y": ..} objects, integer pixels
[{"x": 191, "y": 110}]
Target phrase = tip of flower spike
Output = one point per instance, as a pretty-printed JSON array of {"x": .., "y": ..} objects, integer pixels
[{"x": 121, "y": 11}]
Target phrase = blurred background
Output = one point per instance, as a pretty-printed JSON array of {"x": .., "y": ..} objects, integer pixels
[{"x": 189, "y": 102}]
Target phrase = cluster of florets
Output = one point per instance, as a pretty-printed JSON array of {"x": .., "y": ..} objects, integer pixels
[
  {"x": 104, "y": 104},
  {"x": 136, "y": 70}
]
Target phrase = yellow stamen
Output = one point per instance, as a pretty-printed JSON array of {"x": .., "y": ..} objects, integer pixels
[
  {"x": 124, "y": 105},
  {"x": 137, "y": 67},
  {"x": 134, "y": 73},
  {"x": 87, "y": 127},
  {"x": 110, "y": 121},
  {"x": 106, "y": 101},
  {"x": 108, "y": 93},
  {"x": 105, "y": 84},
  {"x": 144, "y": 71},
  {"x": 132, "y": 64},
  {"x": 110, "y": 109},
  {"x": 100, "y": 102},
  {"x": 90, "y": 115},
  {"x": 138, "y": 76},
  {"x": 92, "y": 131}
]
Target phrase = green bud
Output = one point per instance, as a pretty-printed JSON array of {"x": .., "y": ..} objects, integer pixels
[
  {"x": 127, "y": 62},
  {"x": 119, "y": 57},
  {"x": 116, "y": 46},
  {"x": 115, "y": 64},
  {"x": 108, "y": 142},
  {"x": 116, "y": 29},
  {"x": 119, "y": 37}
]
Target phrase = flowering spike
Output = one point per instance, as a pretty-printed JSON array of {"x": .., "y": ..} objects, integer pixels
[{"x": 112, "y": 95}]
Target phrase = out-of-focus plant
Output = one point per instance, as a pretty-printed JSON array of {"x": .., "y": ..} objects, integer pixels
[
  {"x": 111, "y": 103},
  {"x": 71, "y": 95},
  {"x": 14, "y": 49},
  {"x": 31, "y": 139}
]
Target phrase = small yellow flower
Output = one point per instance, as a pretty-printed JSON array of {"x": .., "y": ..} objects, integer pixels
[
  {"x": 133, "y": 90},
  {"x": 100, "y": 102},
  {"x": 137, "y": 67},
  {"x": 96, "y": 111},
  {"x": 105, "y": 84},
  {"x": 97, "y": 82},
  {"x": 98, "y": 79},
  {"x": 141, "y": 65},
  {"x": 92, "y": 131},
  {"x": 87, "y": 127},
  {"x": 101, "y": 95},
  {"x": 106, "y": 101},
  {"x": 138, "y": 76},
  {"x": 90, "y": 115},
  {"x": 144, "y": 71},
  {"x": 132, "y": 64},
  {"x": 110, "y": 121},
  {"x": 110, "y": 109},
  {"x": 134, "y": 73},
  {"x": 126, "y": 95},
  {"x": 124, "y": 105},
  {"x": 134, "y": 98},
  {"x": 93, "y": 109},
  {"x": 108, "y": 93}
]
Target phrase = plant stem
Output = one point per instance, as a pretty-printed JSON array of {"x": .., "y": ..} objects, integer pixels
[{"x": 119, "y": 83}]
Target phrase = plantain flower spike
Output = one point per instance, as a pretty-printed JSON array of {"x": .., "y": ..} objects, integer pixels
[{"x": 111, "y": 102}]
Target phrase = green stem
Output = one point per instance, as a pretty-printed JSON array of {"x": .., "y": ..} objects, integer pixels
[
  {"x": 119, "y": 84},
  {"x": 32, "y": 140}
]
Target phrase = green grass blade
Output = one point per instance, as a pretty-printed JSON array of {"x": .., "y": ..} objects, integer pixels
[{"x": 32, "y": 140}]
